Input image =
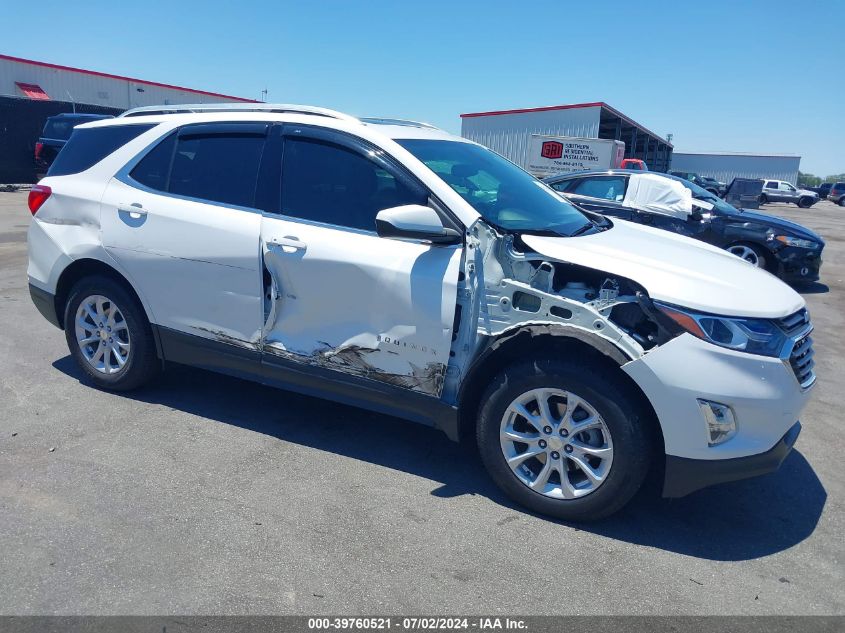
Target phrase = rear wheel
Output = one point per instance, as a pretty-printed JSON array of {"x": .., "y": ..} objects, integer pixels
[
  {"x": 764, "y": 199},
  {"x": 108, "y": 334},
  {"x": 842, "y": 201},
  {"x": 564, "y": 439},
  {"x": 750, "y": 253}
]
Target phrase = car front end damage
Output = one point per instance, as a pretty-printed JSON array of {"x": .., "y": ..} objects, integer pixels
[
  {"x": 799, "y": 260},
  {"x": 724, "y": 414}
]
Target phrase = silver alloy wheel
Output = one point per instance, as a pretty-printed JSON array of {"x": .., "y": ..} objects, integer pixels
[
  {"x": 556, "y": 443},
  {"x": 102, "y": 334},
  {"x": 748, "y": 254}
]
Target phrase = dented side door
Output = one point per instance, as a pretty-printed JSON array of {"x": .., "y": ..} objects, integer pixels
[{"x": 343, "y": 298}]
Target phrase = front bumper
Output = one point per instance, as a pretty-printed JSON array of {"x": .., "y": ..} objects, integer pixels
[
  {"x": 763, "y": 392},
  {"x": 684, "y": 476},
  {"x": 799, "y": 264}
]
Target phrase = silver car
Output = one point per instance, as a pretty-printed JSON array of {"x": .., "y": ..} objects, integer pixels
[{"x": 782, "y": 191}]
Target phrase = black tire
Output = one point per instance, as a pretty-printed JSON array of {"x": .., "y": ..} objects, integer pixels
[
  {"x": 805, "y": 202},
  {"x": 764, "y": 199},
  {"x": 842, "y": 201},
  {"x": 141, "y": 363},
  {"x": 630, "y": 431}
]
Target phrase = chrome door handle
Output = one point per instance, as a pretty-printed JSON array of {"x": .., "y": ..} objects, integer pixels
[{"x": 289, "y": 243}]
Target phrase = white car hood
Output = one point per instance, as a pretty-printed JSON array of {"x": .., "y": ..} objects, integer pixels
[{"x": 676, "y": 269}]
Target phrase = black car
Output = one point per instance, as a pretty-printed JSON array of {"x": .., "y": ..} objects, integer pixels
[
  {"x": 823, "y": 189},
  {"x": 56, "y": 132},
  {"x": 788, "y": 250},
  {"x": 705, "y": 182}
]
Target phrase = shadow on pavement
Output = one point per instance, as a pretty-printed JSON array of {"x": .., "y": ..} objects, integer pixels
[
  {"x": 737, "y": 521},
  {"x": 812, "y": 288}
]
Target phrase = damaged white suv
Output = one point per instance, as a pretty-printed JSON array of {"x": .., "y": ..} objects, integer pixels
[{"x": 389, "y": 265}]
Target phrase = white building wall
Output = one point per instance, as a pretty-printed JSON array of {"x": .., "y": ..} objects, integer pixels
[
  {"x": 510, "y": 134},
  {"x": 82, "y": 87},
  {"x": 725, "y": 167}
]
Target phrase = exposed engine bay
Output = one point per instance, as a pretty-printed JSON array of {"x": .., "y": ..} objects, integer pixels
[{"x": 505, "y": 285}]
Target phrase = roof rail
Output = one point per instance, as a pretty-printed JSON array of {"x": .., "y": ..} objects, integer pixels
[
  {"x": 237, "y": 107},
  {"x": 405, "y": 122}
]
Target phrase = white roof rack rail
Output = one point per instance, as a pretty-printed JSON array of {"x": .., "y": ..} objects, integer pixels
[
  {"x": 237, "y": 107},
  {"x": 389, "y": 121}
]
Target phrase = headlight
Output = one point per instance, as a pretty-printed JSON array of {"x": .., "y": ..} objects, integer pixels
[
  {"x": 755, "y": 336},
  {"x": 795, "y": 241}
]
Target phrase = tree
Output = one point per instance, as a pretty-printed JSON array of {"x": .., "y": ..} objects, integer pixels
[
  {"x": 808, "y": 180},
  {"x": 835, "y": 178}
]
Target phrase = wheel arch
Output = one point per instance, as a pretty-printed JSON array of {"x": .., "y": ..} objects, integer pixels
[
  {"x": 772, "y": 263},
  {"x": 88, "y": 267},
  {"x": 541, "y": 341}
]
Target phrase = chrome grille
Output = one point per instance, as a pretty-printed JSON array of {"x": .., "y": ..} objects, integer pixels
[
  {"x": 801, "y": 360},
  {"x": 797, "y": 326},
  {"x": 795, "y": 322}
]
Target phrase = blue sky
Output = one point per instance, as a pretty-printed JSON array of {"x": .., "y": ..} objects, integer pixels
[{"x": 762, "y": 76}]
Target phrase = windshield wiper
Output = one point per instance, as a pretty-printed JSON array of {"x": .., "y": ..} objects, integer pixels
[{"x": 582, "y": 230}]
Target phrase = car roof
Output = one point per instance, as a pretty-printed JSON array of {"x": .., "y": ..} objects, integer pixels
[
  {"x": 601, "y": 172},
  {"x": 391, "y": 128},
  {"x": 614, "y": 172}
]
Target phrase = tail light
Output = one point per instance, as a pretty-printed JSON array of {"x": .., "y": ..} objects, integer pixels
[
  {"x": 39, "y": 147},
  {"x": 38, "y": 196}
]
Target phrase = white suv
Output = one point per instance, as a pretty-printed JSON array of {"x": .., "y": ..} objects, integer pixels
[{"x": 389, "y": 265}]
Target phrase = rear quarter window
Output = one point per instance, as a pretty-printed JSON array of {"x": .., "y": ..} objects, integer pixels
[{"x": 89, "y": 146}]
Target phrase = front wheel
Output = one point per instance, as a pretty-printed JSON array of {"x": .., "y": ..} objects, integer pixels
[
  {"x": 805, "y": 203},
  {"x": 752, "y": 254},
  {"x": 108, "y": 334},
  {"x": 564, "y": 439}
]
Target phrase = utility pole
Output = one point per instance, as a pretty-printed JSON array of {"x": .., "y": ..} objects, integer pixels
[{"x": 264, "y": 96}]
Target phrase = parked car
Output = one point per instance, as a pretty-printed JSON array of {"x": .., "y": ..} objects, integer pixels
[
  {"x": 392, "y": 266},
  {"x": 56, "y": 132},
  {"x": 710, "y": 184},
  {"x": 837, "y": 194},
  {"x": 713, "y": 186},
  {"x": 789, "y": 250},
  {"x": 782, "y": 191},
  {"x": 633, "y": 163}
]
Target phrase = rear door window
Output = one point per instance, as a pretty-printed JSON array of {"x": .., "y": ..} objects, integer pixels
[
  {"x": 88, "y": 146},
  {"x": 213, "y": 162},
  {"x": 772, "y": 184}
]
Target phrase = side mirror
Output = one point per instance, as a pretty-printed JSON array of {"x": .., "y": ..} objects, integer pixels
[{"x": 414, "y": 221}]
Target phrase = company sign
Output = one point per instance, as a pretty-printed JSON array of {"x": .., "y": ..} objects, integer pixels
[{"x": 550, "y": 156}]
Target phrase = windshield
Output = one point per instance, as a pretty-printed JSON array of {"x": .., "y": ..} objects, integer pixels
[
  {"x": 504, "y": 195},
  {"x": 702, "y": 194}
]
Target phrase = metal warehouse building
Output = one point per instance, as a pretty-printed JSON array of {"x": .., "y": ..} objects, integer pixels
[
  {"x": 726, "y": 166},
  {"x": 31, "y": 91},
  {"x": 508, "y": 131}
]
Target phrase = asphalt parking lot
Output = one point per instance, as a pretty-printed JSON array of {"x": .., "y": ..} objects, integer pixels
[{"x": 204, "y": 494}]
